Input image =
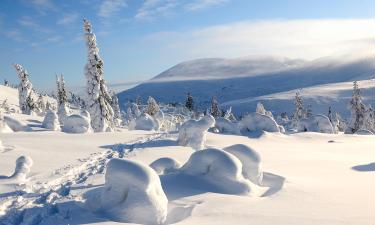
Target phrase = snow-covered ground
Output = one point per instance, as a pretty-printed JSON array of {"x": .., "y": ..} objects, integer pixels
[{"x": 312, "y": 178}]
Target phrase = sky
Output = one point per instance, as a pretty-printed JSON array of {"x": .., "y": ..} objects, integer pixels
[{"x": 139, "y": 39}]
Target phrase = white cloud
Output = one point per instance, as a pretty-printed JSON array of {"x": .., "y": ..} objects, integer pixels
[
  {"x": 203, "y": 4},
  {"x": 68, "y": 19},
  {"x": 15, "y": 35},
  {"x": 151, "y": 9},
  {"x": 109, "y": 7},
  {"x": 30, "y": 23},
  {"x": 292, "y": 38}
]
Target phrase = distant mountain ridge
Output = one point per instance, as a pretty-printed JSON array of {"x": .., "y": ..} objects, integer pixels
[{"x": 228, "y": 85}]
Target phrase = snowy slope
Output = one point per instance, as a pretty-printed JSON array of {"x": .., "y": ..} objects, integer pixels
[
  {"x": 319, "y": 98},
  {"x": 317, "y": 72}
]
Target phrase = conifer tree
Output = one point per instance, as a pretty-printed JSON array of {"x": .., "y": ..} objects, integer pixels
[
  {"x": 152, "y": 106},
  {"x": 260, "y": 109},
  {"x": 25, "y": 90},
  {"x": 215, "y": 110},
  {"x": 189, "y": 102},
  {"x": 98, "y": 97},
  {"x": 357, "y": 110},
  {"x": 62, "y": 99},
  {"x": 40, "y": 103},
  {"x": 116, "y": 109}
]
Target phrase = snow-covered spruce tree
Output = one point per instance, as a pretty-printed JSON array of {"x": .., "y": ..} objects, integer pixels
[
  {"x": 215, "y": 110},
  {"x": 152, "y": 106},
  {"x": 40, "y": 104},
  {"x": 357, "y": 110},
  {"x": 189, "y": 102},
  {"x": 62, "y": 99},
  {"x": 98, "y": 98},
  {"x": 260, "y": 109},
  {"x": 368, "y": 121},
  {"x": 116, "y": 110},
  {"x": 229, "y": 115},
  {"x": 25, "y": 90},
  {"x": 5, "y": 106},
  {"x": 300, "y": 112}
]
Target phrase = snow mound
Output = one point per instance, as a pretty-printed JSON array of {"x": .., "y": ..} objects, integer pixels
[
  {"x": 133, "y": 193},
  {"x": 4, "y": 128},
  {"x": 165, "y": 166},
  {"x": 77, "y": 124},
  {"x": 251, "y": 162},
  {"x": 257, "y": 122},
  {"x": 193, "y": 132},
  {"x": 316, "y": 123},
  {"x": 226, "y": 126},
  {"x": 364, "y": 132},
  {"x": 51, "y": 121},
  {"x": 219, "y": 169},
  {"x": 144, "y": 122},
  {"x": 16, "y": 125},
  {"x": 23, "y": 167}
]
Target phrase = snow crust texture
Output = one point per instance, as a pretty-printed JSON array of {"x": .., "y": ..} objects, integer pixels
[
  {"x": 133, "y": 193},
  {"x": 193, "y": 132}
]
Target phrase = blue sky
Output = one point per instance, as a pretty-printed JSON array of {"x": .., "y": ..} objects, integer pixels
[{"x": 139, "y": 39}]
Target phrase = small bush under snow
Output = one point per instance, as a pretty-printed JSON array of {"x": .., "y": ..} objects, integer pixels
[
  {"x": 193, "y": 132},
  {"x": 251, "y": 162},
  {"x": 258, "y": 122},
  {"x": 51, "y": 121},
  {"x": 316, "y": 123},
  {"x": 226, "y": 126},
  {"x": 165, "y": 165},
  {"x": 144, "y": 122},
  {"x": 133, "y": 193},
  {"x": 219, "y": 169},
  {"x": 16, "y": 125},
  {"x": 77, "y": 124}
]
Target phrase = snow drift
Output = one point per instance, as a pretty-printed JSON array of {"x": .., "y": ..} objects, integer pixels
[
  {"x": 144, "y": 122},
  {"x": 193, "y": 132},
  {"x": 226, "y": 126},
  {"x": 22, "y": 169},
  {"x": 257, "y": 122},
  {"x": 165, "y": 165},
  {"x": 133, "y": 193},
  {"x": 4, "y": 128},
  {"x": 219, "y": 169},
  {"x": 316, "y": 123},
  {"x": 251, "y": 162},
  {"x": 16, "y": 125},
  {"x": 51, "y": 121},
  {"x": 77, "y": 124}
]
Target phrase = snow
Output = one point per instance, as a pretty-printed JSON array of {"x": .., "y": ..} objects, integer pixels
[
  {"x": 133, "y": 193},
  {"x": 251, "y": 162},
  {"x": 364, "y": 132},
  {"x": 218, "y": 168},
  {"x": 316, "y": 123},
  {"x": 15, "y": 124},
  {"x": 193, "y": 132},
  {"x": 255, "y": 122},
  {"x": 51, "y": 121},
  {"x": 144, "y": 122},
  {"x": 77, "y": 124},
  {"x": 165, "y": 165},
  {"x": 226, "y": 126}
]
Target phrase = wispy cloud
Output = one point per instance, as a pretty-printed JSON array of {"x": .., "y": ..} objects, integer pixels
[
  {"x": 30, "y": 23},
  {"x": 151, "y": 9},
  {"x": 203, "y": 4},
  {"x": 15, "y": 35},
  {"x": 68, "y": 19},
  {"x": 306, "y": 39},
  {"x": 110, "y": 7},
  {"x": 42, "y": 6}
]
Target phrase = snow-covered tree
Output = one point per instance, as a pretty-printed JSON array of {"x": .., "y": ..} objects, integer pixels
[
  {"x": 6, "y": 83},
  {"x": 357, "y": 110},
  {"x": 189, "y": 102},
  {"x": 260, "y": 109},
  {"x": 5, "y": 106},
  {"x": 116, "y": 109},
  {"x": 229, "y": 115},
  {"x": 152, "y": 106},
  {"x": 40, "y": 104},
  {"x": 98, "y": 97},
  {"x": 299, "y": 112},
  {"x": 368, "y": 121},
  {"x": 215, "y": 110},
  {"x": 62, "y": 99},
  {"x": 25, "y": 90}
]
